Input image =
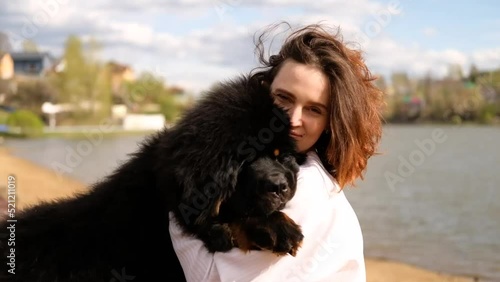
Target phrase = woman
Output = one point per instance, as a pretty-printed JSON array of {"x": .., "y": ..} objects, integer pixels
[{"x": 334, "y": 110}]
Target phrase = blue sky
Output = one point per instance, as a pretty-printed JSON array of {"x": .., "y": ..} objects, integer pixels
[
  {"x": 461, "y": 25},
  {"x": 193, "y": 43}
]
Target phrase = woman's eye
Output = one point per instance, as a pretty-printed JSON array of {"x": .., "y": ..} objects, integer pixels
[
  {"x": 282, "y": 97},
  {"x": 316, "y": 110}
]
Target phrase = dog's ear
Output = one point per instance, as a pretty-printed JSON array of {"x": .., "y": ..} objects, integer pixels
[
  {"x": 225, "y": 180},
  {"x": 206, "y": 188}
]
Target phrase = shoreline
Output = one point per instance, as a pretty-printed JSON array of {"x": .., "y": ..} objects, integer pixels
[{"x": 35, "y": 183}]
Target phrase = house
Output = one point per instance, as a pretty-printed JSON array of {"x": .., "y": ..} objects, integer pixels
[
  {"x": 120, "y": 74},
  {"x": 32, "y": 64},
  {"x": 7, "y": 85},
  {"x": 6, "y": 66}
]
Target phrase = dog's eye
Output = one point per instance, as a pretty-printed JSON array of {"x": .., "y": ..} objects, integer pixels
[{"x": 276, "y": 152}]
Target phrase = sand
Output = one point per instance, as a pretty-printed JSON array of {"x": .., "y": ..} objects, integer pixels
[{"x": 34, "y": 184}]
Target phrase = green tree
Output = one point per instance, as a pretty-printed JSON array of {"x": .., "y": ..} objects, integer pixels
[
  {"x": 102, "y": 98},
  {"x": 149, "y": 89},
  {"x": 97, "y": 80},
  {"x": 424, "y": 92},
  {"x": 473, "y": 73},
  {"x": 70, "y": 80},
  {"x": 84, "y": 81},
  {"x": 455, "y": 72},
  {"x": 27, "y": 123},
  {"x": 401, "y": 83},
  {"x": 381, "y": 83}
]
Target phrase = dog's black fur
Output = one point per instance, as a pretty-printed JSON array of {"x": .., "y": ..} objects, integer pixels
[{"x": 224, "y": 170}]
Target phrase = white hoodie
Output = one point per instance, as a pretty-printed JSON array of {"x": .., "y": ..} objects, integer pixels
[{"x": 332, "y": 249}]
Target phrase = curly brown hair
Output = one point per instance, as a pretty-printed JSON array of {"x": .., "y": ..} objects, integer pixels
[{"x": 355, "y": 119}]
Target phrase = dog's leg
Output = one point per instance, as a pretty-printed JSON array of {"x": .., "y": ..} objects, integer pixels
[{"x": 276, "y": 232}]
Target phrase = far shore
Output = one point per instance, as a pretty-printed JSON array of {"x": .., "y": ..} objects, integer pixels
[{"x": 35, "y": 184}]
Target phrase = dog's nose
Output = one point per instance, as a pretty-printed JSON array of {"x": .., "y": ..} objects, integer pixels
[
  {"x": 278, "y": 187},
  {"x": 277, "y": 182},
  {"x": 283, "y": 187}
]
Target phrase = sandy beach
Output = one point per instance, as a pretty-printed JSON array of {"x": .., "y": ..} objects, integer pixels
[{"x": 34, "y": 184}]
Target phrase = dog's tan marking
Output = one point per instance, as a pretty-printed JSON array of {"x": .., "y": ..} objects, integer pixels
[
  {"x": 276, "y": 152},
  {"x": 240, "y": 238},
  {"x": 215, "y": 211}
]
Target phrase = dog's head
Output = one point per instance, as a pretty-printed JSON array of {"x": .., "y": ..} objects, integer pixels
[
  {"x": 267, "y": 179},
  {"x": 237, "y": 139},
  {"x": 265, "y": 185},
  {"x": 270, "y": 183}
]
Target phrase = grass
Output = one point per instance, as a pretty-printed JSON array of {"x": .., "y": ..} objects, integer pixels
[
  {"x": 77, "y": 135},
  {"x": 83, "y": 135}
]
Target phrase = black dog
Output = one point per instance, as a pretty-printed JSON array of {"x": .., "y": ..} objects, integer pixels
[{"x": 224, "y": 170}]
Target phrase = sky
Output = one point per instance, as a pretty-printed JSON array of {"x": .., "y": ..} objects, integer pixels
[{"x": 195, "y": 43}]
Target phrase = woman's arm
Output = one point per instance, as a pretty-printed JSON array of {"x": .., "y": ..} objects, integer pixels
[{"x": 198, "y": 264}]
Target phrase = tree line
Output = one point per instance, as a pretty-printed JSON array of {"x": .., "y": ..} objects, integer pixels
[{"x": 457, "y": 98}]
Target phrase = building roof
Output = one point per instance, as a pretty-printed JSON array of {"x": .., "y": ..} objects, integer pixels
[
  {"x": 31, "y": 56},
  {"x": 118, "y": 68}
]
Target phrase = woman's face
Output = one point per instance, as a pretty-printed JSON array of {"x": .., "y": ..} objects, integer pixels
[{"x": 303, "y": 91}]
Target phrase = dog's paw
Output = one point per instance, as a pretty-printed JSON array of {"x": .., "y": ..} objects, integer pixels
[
  {"x": 277, "y": 233},
  {"x": 289, "y": 238},
  {"x": 219, "y": 238}
]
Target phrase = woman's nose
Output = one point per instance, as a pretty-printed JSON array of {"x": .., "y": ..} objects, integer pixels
[{"x": 295, "y": 116}]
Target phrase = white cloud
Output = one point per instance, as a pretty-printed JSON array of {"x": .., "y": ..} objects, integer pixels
[
  {"x": 385, "y": 56},
  {"x": 129, "y": 32},
  {"x": 430, "y": 31},
  {"x": 487, "y": 58}
]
